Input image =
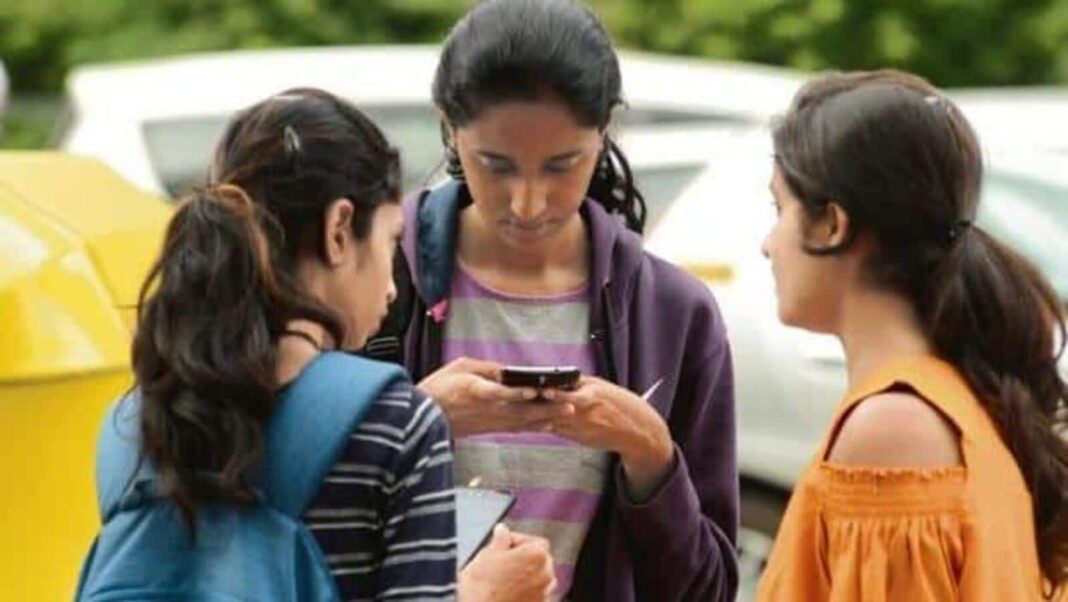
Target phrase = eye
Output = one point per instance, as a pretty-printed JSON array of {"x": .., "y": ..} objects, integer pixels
[
  {"x": 498, "y": 166},
  {"x": 562, "y": 165}
]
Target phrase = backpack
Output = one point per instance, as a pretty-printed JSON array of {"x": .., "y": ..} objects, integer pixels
[
  {"x": 262, "y": 552},
  {"x": 387, "y": 344}
]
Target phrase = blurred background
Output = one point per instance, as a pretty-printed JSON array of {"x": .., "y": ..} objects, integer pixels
[
  {"x": 952, "y": 42},
  {"x": 145, "y": 87}
]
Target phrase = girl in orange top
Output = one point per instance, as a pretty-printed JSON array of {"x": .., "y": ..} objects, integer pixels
[{"x": 942, "y": 476}]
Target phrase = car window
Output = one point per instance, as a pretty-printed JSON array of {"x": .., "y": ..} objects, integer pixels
[
  {"x": 638, "y": 117},
  {"x": 1031, "y": 215},
  {"x": 181, "y": 148},
  {"x": 661, "y": 186}
]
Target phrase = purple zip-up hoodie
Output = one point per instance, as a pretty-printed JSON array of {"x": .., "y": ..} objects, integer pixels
[{"x": 648, "y": 320}]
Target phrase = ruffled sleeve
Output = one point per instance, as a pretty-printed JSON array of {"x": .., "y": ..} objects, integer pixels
[{"x": 892, "y": 535}]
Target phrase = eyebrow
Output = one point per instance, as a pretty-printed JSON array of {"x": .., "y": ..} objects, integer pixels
[{"x": 571, "y": 154}]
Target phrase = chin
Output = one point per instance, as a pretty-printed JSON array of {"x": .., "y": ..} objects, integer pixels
[
  {"x": 790, "y": 316},
  {"x": 786, "y": 317}
]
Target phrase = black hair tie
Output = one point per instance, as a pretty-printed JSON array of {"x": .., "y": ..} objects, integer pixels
[{"x": 958, "y": 229}]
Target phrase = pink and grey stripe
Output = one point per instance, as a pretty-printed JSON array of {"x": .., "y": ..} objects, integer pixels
[{"x": 558, "y": 483}]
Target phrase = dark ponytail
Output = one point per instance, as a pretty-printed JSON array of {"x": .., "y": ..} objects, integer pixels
[
  {"x": 904, "y": 164},
  {"x": 995, "y": 317},
  {"x": 223, "y": 288},
  {"x": 519, "y": 50}
]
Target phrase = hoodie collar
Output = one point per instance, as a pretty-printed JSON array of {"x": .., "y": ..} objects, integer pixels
[{"x": 431, "y": 240}]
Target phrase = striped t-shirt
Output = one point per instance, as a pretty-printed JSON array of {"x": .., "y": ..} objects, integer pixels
[
  {"x": 558, "y": 483},
  {"x": 385, "y": 515}
]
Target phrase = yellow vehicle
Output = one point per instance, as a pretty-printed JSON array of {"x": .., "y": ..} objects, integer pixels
[{"x": 75, "y": 243}]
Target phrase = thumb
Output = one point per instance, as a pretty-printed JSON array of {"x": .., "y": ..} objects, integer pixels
[
  {"x": 485, "y": 369},
  {"x": 502, "y": 538}
]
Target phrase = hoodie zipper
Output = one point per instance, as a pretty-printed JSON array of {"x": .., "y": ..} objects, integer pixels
[
  {"x": 601, "y": 336},
  {"x": 434, "y": 343}
]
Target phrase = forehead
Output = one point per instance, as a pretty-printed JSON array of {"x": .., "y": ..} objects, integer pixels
[{"x": 528, "y": 125}]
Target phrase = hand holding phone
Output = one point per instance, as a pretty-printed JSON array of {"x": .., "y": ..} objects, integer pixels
[{"x": 512, "y": 567}]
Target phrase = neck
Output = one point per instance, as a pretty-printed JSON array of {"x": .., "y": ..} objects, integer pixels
[
  {"x": 295, "y": 351},
  {"x": 877, "y": 327},
  {"x": 483, "y": 251}
]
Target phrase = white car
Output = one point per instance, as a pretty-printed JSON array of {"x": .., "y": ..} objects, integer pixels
[
  {"x": 156, "y": 121},
  {"x": 1032, "y": 117},
  {"x": 788, "y": 381}
]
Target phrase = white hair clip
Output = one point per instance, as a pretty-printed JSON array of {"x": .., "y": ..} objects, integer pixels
[{"x": 292, "y": 141}]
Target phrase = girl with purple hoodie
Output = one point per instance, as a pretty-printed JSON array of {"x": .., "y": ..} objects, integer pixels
[{"x": 531, "y": 254}]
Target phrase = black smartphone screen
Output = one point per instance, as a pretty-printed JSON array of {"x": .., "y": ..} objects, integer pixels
[{"x": 541, "y": 377}]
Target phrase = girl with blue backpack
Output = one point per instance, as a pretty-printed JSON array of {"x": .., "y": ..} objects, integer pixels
[{"x": 253, "y": 459}]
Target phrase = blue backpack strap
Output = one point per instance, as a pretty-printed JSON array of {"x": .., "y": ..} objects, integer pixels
[
  {"x": 305, "y": 436},
  {"x": 437, "y": 222},
  {"x": 314, "y": 418},
  {"x": 117, "y": 450}
]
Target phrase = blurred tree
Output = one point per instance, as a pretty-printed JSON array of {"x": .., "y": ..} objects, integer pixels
[
  {"x": 952, "y": 42},
  {"x": 40, "y": 40}
]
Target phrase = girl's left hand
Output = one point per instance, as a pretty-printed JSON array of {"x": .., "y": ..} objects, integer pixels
[{"x": 614, "y": 419}]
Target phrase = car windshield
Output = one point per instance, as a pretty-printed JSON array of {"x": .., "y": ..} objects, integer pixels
[
  {"x": 661, "y": 186},
  {"x": 1031, "y": 215},
  {"x": 180, "y": 148}
]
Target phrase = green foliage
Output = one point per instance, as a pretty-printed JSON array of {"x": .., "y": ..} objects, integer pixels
[
  {"x": 31, "y": 123},
  {"x": 952, "y": 42},
  {"x": 40, "y": 40}
]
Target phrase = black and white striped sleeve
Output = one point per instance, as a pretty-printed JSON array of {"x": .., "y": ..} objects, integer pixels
[{"x": 385, "y": 515}]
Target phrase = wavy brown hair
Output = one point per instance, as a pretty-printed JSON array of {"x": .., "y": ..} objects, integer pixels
[
  {"x": 905, "y": 165},
  {"x": 223, "y": 288}
]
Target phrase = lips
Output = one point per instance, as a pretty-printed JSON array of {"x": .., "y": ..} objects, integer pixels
[
  {"x": 528, "y": 226},
  {"x": 529, "y": 230}
]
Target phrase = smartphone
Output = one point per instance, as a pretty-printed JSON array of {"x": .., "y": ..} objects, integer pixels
[
  {"x": 477, "y": 512},
  {"x": 541, "y": 377}
]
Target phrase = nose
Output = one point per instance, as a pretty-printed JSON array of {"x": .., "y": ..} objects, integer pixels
[
  {"x": 764, "y": 246},
  {"x": 529, "y": 199}
]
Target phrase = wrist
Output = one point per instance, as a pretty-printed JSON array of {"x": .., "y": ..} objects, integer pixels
[{"x": 647, "y": 465}]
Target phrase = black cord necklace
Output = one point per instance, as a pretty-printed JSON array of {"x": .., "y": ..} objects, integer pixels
[{"x": 303, "y": 335}]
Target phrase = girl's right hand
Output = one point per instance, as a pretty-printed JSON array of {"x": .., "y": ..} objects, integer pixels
[
  {"x": 512, "y": 567},
  {"x": 470, "y": 393}
]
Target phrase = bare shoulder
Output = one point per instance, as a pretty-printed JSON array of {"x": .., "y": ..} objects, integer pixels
[{"x": 897, "y": 430}]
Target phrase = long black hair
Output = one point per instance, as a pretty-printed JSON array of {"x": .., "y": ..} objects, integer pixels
[
  {"x": 517, "y": 49},
  {"x": 905, "y": 165},
  {"x": 223, "y": 288}
]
